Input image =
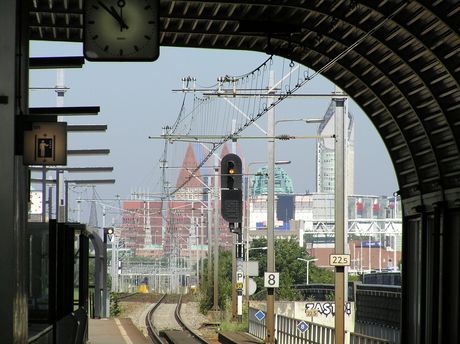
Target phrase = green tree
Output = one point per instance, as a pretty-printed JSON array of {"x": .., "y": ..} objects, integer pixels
[
  {"x": 292, "y": 271},
  {"x": 286, "y": 253},
  {"x": 286, "y": 292},
  {"x": 319, "y": 275},
  {"x": 224, "y": 283}
]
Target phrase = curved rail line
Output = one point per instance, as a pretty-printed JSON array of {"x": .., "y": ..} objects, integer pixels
[{"x": 154, "y": 333}]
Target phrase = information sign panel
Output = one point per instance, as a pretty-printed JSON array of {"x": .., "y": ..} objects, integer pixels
[
  {"x": 311, "y": 312},
  {"x": 46, "y": 144},
  {"x": 339, "y": 260}
]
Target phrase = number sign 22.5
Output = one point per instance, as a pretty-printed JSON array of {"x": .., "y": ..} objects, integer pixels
[{"x": 339, "y": 260}]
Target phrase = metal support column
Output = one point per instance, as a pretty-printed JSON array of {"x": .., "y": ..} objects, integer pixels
[
  {"x": 239, "y": 271},
  {"x": 215, "y": 307},
  {"x": 14, "y": 188},
  {"x": 340, "y": 217},
  {"x": 270, "y": 338}
]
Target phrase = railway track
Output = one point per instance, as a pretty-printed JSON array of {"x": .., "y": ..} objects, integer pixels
[{"x": 178, "y": 331}]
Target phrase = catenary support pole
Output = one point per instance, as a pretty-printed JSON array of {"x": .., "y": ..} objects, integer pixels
[
  {"x": 215, "y": 307},
  {"x": 270, "y": 337},
  {"x": 340, "y": 217}
]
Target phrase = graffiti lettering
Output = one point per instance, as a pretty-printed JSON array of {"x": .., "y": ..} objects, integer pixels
[{"x": 327, "y": 308}]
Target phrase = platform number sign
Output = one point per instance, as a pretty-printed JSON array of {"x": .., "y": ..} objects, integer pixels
[
  {"x": 339, "y": 260},
  {"x": 271, "y": 280}
]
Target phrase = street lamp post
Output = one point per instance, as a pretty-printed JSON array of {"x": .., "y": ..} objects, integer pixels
[
  {"x": 246, "y": 225},
  {"x": 270, "y": 337},
  {"x": 308, "y": 265}
]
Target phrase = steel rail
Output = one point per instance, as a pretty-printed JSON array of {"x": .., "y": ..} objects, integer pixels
[
  {"x": 184, "y": 326},
  {"x": 152, "y": 331}
]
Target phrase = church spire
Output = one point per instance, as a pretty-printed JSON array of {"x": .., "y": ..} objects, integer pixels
[{"x": 93, "y": 214}]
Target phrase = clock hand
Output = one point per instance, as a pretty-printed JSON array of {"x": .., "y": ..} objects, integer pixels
[
  {"x": 121, "y": 4},
  {"x": 119, "y": 18},
  {"x": 114, "y": 14}
]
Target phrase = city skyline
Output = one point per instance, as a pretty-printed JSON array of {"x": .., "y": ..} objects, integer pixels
[{"x": 122, "y": 91}]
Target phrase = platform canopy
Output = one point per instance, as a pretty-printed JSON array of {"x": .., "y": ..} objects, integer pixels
[{"x": 398, "y": 60}]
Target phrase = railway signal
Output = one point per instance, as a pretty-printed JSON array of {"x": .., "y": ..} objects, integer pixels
[
  {"x": 231, "y": 172},
  {"x": 231, "y": 191},
  {"x": 108, "y": 232}
]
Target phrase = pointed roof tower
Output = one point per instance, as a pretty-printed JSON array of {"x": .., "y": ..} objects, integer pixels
[
  {"x": 192, "y": 185},
  {"x": 193, "y": 157},
  {"x": 93, "y": 212},
  {"x": 226, "y": 150},
  {"x": 190, "y": 162}
]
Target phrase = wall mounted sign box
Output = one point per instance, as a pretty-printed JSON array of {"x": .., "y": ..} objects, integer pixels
[{"x": 46, "y": 144}]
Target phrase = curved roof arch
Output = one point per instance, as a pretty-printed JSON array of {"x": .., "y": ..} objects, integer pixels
[{"x": 398, "y": 60}]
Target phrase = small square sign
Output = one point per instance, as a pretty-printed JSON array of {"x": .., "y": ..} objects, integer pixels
[
  {"x": 302, "y": 326},
  {"x": 46, "y": 144},
  {"x": 271, "y": 279},
  {"x": 260, "y": 315},
  {"x": 339, "y": 260}
]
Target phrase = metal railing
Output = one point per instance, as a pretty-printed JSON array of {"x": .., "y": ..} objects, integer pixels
[
  {"x": 257, "y": 328},
  {"x": 288, "y": 330},
  {"x": 295, "y": 331}
]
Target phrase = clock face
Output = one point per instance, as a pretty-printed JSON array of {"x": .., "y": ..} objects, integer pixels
[
  {"x": 121, "y": 30},
  {"x": 36, "y": 202}
]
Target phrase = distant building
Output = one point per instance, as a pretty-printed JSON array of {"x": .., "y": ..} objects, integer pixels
[
  {"x": 283, "y": 184},
  {"x": 325, "y": 168},
  {"x": 181, "y": 227},
  {"x": 311, "y": 217},
  {"x": 142, "y": 226}
]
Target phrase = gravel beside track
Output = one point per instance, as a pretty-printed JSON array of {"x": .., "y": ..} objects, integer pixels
[{"x": 164, "y": 319}]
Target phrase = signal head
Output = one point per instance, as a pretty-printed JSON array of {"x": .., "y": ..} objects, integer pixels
[
  {"x": 231, "y": 172},
  {"x": 109, "y": 230}
]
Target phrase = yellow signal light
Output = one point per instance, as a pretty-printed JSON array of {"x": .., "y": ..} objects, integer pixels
[{"x": 231, "y": 171}]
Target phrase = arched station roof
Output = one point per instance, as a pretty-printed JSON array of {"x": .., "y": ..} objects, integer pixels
[{"x": 398, "y": 60}]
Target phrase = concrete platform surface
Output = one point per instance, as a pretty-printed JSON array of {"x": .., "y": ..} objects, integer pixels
[{"x": 115, "y": 331}]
